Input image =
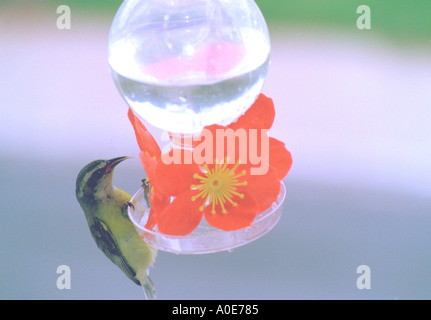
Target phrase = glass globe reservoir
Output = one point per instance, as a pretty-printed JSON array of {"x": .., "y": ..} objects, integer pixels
[{"x": 185, "y": 64}]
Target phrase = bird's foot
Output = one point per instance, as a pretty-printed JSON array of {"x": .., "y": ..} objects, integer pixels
[{"x": 130, "y": 205}]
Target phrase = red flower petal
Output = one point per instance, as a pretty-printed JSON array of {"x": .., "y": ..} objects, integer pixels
[
  {"x": 174, "y": 179},
  {"x": 181, "y": 217},
  {"x": 264, "y": 188},
  {"x": 145, "y": 140},
  {"x": 259, "y": 116},
  {"x": 149, "y": 163},
  {"x": 158, "y": 204},
  {"x": 237, "y": 217},
  {"x": 151, "y": 222},
  {"x": 280, "y": 158},
  {"x": 227, "y": 143}
]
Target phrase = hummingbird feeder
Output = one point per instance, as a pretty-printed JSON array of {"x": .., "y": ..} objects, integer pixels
[{"x": 194, "y": 70}]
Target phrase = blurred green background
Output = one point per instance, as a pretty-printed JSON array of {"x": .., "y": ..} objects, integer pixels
[{"x": 398, "y": 19}]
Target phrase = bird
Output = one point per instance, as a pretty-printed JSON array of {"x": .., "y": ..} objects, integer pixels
[{"x": 105, "y": 207}]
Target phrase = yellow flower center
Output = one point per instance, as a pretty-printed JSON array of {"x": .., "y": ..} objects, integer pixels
[{"x": 218, "y": 186}]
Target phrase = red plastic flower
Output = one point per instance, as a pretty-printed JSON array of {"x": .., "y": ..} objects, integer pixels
[
  {"x": 149, "y": 156},
  {"x": 225, "y": 191}
]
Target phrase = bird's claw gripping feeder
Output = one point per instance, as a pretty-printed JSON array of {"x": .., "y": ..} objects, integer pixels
[{"x": 195, "y": 69}]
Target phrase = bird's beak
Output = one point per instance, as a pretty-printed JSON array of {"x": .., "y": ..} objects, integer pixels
[{"x": 110, "y": 164}]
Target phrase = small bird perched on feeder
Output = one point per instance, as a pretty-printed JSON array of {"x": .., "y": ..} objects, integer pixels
[{"x": 105, "y": 208}]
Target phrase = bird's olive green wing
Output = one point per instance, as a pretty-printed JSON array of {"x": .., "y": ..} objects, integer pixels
[{"x": 107, "y": 243}]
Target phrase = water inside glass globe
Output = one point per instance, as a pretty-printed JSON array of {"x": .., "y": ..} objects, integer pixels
[{"x": 182, "y": 65}]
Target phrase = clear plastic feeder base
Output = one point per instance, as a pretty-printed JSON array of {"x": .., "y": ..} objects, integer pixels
[{"x": 204, "y": 239}]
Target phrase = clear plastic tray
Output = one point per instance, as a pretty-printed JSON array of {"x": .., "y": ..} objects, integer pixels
[{"x": 204, "y": 239}]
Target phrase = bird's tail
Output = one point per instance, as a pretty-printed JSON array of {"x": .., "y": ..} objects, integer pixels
[{"x": 149, "y": 289}]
